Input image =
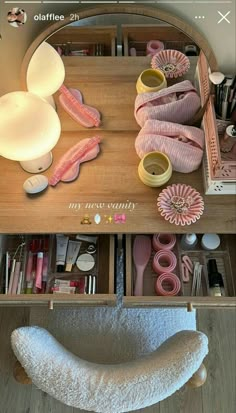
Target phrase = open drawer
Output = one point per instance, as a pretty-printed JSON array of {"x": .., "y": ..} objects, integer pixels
[
  {"x": 26, "y": 294},
  {"x": 226, "y": 264}
]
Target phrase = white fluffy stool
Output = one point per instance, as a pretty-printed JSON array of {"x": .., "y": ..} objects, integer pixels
[
  {"x": 115, "y": 359},
  {"x": 112, "y": 388}
]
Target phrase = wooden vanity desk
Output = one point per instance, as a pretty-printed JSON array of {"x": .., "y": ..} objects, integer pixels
[{"x": 111, "y": 180}]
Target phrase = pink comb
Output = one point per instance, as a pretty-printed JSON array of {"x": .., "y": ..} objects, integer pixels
[
  {"x": 77, "y": 152},
  {"x": 78, "y": 111},
  {"x": 142, "y": 249}
]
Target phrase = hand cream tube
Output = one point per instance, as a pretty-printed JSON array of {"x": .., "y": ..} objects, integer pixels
[
  {"x": 62, "y": 242},
  {"x": 72, "y": 253}
]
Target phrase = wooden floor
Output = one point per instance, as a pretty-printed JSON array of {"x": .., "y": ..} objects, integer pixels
[{"x": 218, "y": 395}]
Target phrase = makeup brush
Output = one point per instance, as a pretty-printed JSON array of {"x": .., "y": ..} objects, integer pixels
[{"x": 141, "y": 255}]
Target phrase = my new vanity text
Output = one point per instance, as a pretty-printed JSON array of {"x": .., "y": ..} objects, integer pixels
[{"x": 130, "y": 206}]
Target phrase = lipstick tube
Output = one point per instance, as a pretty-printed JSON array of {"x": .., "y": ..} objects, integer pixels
[{"x": 39, "y": 270}]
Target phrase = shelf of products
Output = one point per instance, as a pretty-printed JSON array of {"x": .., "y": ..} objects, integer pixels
[
  {"x": 193, "y": 292},
  {"x": 85, "y": 41},
  {"x": 219, "y": 167},
  {"x": 137, "y": 37},
  {"x": 57, "y": 269}
]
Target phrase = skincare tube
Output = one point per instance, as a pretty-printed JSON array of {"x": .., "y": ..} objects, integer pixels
[
  {"x": 72, "y": 253},
  {"x": 62, "y": 242},
  {"x": 87, "y": 238}
]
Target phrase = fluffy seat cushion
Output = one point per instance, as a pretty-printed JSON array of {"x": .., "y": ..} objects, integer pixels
[{"x": 113, "y": 388}]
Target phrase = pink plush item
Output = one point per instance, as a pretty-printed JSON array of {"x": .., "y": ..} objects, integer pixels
[
  {"x": 178, "y": 103},
  {"x": 67, "y": 168},
  {"x": 72, "y": 102},
  {"x": 182, "y": 144}
]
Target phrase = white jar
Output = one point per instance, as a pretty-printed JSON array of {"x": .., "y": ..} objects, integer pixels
[{"x": 210, "y": 241}]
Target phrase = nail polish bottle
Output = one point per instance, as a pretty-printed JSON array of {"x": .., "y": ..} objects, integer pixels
[{"x": 215, "y": 280}]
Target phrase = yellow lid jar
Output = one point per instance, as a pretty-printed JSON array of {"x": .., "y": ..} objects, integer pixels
[{"x": 155, "y": 169}]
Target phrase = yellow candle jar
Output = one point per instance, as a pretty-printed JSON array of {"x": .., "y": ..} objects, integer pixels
[
  {"x": 155, "y": 169},
  {"x": 150, "y": 80}
]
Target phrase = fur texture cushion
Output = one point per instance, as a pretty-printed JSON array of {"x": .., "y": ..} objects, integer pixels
[{"x": 113, "y": 388}]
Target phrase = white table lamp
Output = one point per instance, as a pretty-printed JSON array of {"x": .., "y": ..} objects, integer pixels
[
  {"x": 46, "y": 71},
  {"x": 29, "y": 129}
]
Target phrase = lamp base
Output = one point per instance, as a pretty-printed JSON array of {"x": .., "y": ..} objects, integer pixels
[
  {"x": 37, "y": 165},
  {"x": 51, "y": 101}
]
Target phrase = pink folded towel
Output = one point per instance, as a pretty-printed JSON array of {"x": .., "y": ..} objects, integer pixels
[
  {"x": 178, "y": 103},
  {"x": 182, "y": 144}
]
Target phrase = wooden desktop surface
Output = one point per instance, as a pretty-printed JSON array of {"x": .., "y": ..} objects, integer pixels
[{"x": 110, "y": 183}]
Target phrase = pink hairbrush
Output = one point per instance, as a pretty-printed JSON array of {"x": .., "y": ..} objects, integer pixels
[
  {"x": 142, "y": 249},
  {"x": 72, "y": 102}
]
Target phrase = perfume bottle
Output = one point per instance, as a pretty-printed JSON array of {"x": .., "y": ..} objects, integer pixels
[
  {"x": 215, "y": 279},
  {"x": 188, "y": 241},
  {"x": 228, "y": 144}
]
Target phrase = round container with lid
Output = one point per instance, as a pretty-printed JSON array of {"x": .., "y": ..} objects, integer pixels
[
  {"x": 210, "y": 241},
  {"x": 85, "y": 262}
]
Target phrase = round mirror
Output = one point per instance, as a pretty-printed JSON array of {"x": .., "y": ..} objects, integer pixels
[{"x": 122, "y": 31}]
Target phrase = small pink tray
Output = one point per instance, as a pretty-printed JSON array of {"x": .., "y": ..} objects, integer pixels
[
  {"x": 171, "y": 62},
  {"x": 180, "y": 204}
]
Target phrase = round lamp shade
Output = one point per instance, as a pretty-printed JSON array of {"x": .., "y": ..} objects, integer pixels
[
  {"x": 46, "y": 72},
  {"x": 29, "y": 126}
]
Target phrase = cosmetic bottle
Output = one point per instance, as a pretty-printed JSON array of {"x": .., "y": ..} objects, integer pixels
[
  {"x": 215, "y": 280},
  {"x": 228, "y": 143},
  {"x": 188, "y": 241}
]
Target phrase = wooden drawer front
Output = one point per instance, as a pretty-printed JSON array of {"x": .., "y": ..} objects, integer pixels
[
  {"x": 138, "y": 36},
  {"x": 105, "y": 275},
  {"x": 226, "y": 263},
  {"x": 79, "y": 38}
]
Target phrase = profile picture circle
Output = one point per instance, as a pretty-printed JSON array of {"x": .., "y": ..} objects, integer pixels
[{"x": 16, "y": 17}]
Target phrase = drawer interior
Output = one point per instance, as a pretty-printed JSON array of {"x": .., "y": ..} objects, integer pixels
[
  {"x": 57, "y": 284},
  {"x": 223, "y": 255}
]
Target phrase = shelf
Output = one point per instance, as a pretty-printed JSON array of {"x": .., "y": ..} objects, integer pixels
[
  {"x": 81, "y": 37},
  {"x": 138, "y": 36}
]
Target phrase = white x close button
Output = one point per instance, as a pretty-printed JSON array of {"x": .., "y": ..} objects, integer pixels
[{"x": 223, "y": 17}]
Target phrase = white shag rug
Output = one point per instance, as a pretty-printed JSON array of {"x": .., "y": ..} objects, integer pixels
[{"x": 113, "y": 335}]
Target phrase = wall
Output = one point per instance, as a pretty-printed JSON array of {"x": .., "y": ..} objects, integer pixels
[{"x": 15, "y": 41}]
